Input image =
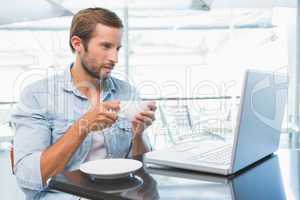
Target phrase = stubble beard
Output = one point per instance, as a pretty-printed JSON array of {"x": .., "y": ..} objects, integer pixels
[{"x": 89, "y": 70}]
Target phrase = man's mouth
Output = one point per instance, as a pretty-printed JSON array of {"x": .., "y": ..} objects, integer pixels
[{"x": 110, "y": 67}]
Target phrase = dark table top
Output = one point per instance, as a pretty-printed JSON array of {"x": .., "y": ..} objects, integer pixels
[{"x": 276, "y": 177}]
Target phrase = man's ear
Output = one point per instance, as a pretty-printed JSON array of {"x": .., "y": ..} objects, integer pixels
[{"x": 76, "y": 43}]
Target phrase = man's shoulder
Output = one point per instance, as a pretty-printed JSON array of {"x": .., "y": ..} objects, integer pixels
[
  {"x": 122, "y": 85},
  {"x": 46, "y": 83},
  {"x": 124, "y": 90}
]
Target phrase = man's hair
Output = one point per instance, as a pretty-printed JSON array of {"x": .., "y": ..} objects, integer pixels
[{"x": 85, "y": 21}]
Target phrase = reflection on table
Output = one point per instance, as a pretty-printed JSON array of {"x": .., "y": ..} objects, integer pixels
[{"x": 276, "y": 177}]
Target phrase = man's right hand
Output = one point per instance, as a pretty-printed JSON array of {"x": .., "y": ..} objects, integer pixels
[
  {"x": 99, "y": 117},
  {"x": 55, "y": 158}
]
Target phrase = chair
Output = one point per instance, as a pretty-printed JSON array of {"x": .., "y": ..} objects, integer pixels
[
  {"x": 12, "y": 160},
  {"x": 7, "y": 132},
  {"x": 179, "y": 125},
  {"x": 177, "y": 122}
]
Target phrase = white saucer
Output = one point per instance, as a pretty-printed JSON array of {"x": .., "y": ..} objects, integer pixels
[{"x": 111, "y": 168}]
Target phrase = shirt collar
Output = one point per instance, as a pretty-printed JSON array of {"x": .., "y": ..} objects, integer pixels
[
  {"x": 109, "y": 85},
  {"x": 68, "y": 84}
]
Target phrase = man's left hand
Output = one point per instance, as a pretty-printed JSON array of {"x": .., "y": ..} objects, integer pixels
[{"x": 143, "y": 119}]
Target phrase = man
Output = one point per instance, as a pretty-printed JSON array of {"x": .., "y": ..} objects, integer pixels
[{"x": 70, "y": 118}]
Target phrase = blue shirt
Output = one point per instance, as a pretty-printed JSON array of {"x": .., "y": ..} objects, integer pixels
[{"x": 47, "y": 108}]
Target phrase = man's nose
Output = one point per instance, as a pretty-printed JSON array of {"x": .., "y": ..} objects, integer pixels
[{"x": 113, "y": 57}]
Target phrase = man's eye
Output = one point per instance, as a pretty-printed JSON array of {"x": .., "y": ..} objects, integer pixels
[{"x": 106, "y": 46}]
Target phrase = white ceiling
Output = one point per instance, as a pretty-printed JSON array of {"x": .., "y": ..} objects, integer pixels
[
  {"x": 175, "y": 4},
  {"x": 254, "y": 3},
  {"x": 19, "y": 10}
]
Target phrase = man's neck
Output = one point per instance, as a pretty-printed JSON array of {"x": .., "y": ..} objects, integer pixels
[{"x": 83, "y": 81}]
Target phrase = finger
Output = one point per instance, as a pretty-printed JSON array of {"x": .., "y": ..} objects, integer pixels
[
  {"x": 101, "y": 123},
  {"x": 110, "y": 115},
  {"x": 107, "y": 122},
  {"x": 140, "y": 123},
  {"x": 144, "y": 119},
  {"x": 112, "y": 105},
  {"x": 149, "y": 114},
  {"x": 152, "y": 105},
  {"x": 137, "y": 121}
]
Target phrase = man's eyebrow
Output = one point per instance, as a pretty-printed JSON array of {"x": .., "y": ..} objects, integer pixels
[
  {"x": 110, "y": 44},
  {"x": 106, "y": 43}
]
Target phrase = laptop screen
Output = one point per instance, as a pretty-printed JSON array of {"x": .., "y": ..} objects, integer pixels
[{"x": 262, "y": 107}]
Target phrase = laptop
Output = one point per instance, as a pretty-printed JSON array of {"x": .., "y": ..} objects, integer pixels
[{"x": 256, "y": 135}]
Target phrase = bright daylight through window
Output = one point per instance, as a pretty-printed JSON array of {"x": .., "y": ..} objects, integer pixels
[{"x": 191, "y": 57}]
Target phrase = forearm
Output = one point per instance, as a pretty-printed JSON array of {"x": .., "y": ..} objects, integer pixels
[
  {"x": 55, "y": 158},
  {"x": 139, "y": 146}
]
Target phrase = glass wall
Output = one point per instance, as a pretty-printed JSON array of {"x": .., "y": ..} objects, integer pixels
[
  {"x": 188, "y": 57},
  {"x": 198, "y": 58}
]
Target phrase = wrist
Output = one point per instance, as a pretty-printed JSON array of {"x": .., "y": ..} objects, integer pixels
[
  {"x": 140, "y": 144},
  {"x": 137, "y": 135},
  {"x": 137, "y": 138},
  {"x": 81, "y": 128}
]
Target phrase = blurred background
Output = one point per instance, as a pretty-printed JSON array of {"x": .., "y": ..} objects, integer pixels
[{"x": 188, "y": 55}]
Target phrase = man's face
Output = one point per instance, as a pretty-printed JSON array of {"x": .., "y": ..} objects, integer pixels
[{"x": 102, "y": 51}]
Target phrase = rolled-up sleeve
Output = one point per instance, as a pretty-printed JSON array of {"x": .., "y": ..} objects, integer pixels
[{"x": 32, "y": 136}]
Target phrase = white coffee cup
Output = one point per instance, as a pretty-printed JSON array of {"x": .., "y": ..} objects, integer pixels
[{"x": 128, "y": 109}]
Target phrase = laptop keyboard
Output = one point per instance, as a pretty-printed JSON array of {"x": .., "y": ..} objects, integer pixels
[{"x": 221, "y": 156}]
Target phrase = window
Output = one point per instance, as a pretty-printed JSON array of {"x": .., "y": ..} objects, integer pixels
[{"x": 174, "y": 50}]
